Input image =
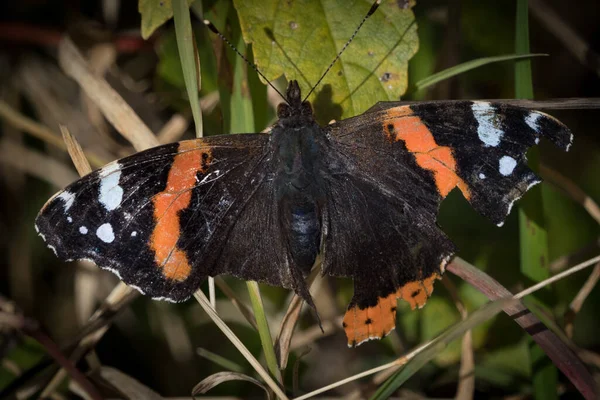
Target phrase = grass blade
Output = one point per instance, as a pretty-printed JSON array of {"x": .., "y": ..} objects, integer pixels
[
  {"x": 263, "y": 329},
  {"x": 205, "y": 304},
  {"x": 533, "y": 236},
  {"x": 467, "y": 66},
  {"x": 190, "y": 63}
]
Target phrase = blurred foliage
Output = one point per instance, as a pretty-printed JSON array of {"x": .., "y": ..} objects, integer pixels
[{"x": 156, "y": 343}]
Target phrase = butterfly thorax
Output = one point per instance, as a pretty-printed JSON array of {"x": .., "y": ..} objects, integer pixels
[{"x": 298, "y": 142}]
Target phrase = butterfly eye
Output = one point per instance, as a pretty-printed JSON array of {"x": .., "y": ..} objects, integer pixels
[
  {"x": 283, "y": 110},
  {"x": 306, "y": 108}
]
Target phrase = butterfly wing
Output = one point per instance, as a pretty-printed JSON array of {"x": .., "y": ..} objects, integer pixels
[
  {"x": 397, "y": 164},
  {"x": 166, "y": 218}
]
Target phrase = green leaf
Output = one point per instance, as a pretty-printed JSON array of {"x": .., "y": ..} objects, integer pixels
[
  {"x": 467, "y": 66},
  {"x": 300, "y": 39},
  {"x": 154, "y": 14},
  {"x": 190, "y": 63}
]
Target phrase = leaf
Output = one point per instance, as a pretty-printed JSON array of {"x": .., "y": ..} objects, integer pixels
[
  {"x": 372, "y": 69},
  {"x": 190, "y": 63},
  {"x": 220, "y": 377},
  {"x": 154, "y": 14}
]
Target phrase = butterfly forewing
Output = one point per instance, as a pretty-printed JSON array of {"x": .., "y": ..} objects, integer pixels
[{"x": 151, "y": 218}]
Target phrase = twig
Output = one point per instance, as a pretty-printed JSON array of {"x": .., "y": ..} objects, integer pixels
[
  {"x": 31, "y": 328},
  {"x": 578, "y": 103}
]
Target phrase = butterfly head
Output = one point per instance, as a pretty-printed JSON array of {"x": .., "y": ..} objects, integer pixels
[{"x": 294, "y": 107}]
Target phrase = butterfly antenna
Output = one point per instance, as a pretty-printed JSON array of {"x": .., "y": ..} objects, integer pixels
[
  {"x": 371, "y": 11},
  {"x": 253, "y": 66}
]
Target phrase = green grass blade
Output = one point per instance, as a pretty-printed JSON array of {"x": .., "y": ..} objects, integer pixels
[
  {"x": 469, "y": 65},
  {"x": 242, "y": 115},
  {"x": 533, "y": 236},
  {"x": 190, "y": 63},
  {"x": 263, "y": 329}
]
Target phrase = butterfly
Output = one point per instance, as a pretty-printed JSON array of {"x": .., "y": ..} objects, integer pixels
[{"x": 364, "y": 192}]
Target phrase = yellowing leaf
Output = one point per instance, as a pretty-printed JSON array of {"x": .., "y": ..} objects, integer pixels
[{"x": 301, "y": 38}]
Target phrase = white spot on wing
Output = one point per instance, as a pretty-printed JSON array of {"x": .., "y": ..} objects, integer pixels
[
  {"x": 69, "y": 219},
  {"x": 109, "y": 169},
  {"x": 532, "y": 120},
  {"x": 507, "y": 165},
  {"x": 105, "y": 233},
  {"x": 487, "y": 131},
  {"x": 68, "y": 198},
  {"x": 481, "y": 175},
  {"x": 111, "y": 194},
  {"x": 134, "y": 234},
  {"x": 83, "y": 230}
]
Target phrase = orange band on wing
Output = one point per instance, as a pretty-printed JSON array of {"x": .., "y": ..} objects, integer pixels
[
  {"x": 376, "y": 322},
  {"x": 167, "y": 204},
  {"x": 401, "y": 124}
]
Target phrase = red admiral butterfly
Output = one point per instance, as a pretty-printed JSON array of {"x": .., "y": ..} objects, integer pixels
[{"x": 364, "y": 191}]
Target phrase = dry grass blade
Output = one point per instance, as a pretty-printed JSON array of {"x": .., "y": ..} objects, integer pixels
[
  {"x": 221, "y": 377},
  {"x": 579, "y": 299},
  {"x": 114, "y": 108},
  {"x": 286, "y": 329},
  {"x": 571, "y": 189},
  {"x": 21, "y": 122},
  {"x": 76, "y": 152},
  {"x": 174, "y": 129},
  {"x": 128, "y": 387},
  {"x": 236, "y": 301},
  {"x": 205, "y": 304},
  {"x": 577, "y": 256},
  {"x": 560, "y": 354},
  {"x": 35, "y": 164}
]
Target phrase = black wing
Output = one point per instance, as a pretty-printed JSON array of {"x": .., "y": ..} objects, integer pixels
[
  {"x": 391, "y": 169},
  {"x": 166, "y": 218}
]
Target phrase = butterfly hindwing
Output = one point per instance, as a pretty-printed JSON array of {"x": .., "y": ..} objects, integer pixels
[
  {"x": 151, "y": 217},
  {"x": 401, "y": 162}
]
